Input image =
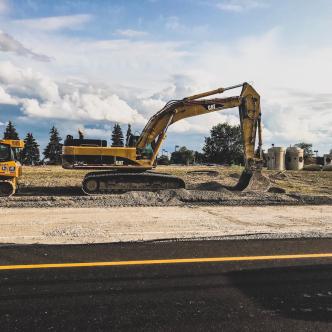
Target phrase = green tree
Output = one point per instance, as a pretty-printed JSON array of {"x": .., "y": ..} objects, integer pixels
[
  {"x": 30, "y": 154},
  {"x": 199, "y": 157},
  {"x": 128, "y": 134},
  {"x": 224, "y": 144},
  {"x": 163, "y": 160},
  {"x": 117, "y": 135},
  {"x": 53, "y": 149},
  {"x": 10, "y": 132},
  {"x": 182, "y": 156},
  {"x": 307, "y": 149}
]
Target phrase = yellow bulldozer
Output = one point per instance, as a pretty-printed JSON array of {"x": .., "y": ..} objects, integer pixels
[
  {"x": 10, "y": 167},
  {"x": 121, "y": 169}
]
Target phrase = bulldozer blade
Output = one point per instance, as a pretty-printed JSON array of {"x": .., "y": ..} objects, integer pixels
[{"x": 253, "y": 181}]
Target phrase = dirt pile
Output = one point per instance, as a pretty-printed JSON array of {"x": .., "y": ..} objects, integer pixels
[{"x": 179, "y": 197}]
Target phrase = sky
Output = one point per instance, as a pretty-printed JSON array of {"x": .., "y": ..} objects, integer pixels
[{"x": 89, "y": 64}]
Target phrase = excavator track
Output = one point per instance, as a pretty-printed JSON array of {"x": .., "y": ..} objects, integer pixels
[{"x": 119, "y": 182}]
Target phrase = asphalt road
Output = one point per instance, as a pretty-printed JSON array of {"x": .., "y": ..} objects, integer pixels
[{"x": 250, "y": 295}]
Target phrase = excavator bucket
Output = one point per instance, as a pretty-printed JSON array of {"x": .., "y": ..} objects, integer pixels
[{"x": 253, "y": 181}]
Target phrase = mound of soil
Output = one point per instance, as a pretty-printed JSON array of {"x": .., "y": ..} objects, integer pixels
[
  {"x": 211, "y": 186},
  {"x": 204, "y": 172}
]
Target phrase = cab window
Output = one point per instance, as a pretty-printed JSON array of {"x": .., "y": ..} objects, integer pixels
[{"x": 5, "y": 153}]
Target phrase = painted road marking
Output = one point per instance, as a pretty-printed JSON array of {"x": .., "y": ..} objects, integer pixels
[{"x": 164, "y": 261}]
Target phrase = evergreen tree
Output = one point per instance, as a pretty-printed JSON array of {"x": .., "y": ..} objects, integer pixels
[
  {"x": 30, "y": 153},
  {"x": 117, "y": 135},
  {"x": 128, "y": 134},
  {"x": 10, "y": 132},
  {"x": 54, "y": 147}
]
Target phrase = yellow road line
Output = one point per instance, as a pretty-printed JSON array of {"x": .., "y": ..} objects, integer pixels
[{"x": 164, "y": 261}]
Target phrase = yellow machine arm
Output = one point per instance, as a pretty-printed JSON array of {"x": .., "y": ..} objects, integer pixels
[{"x": 249, "y": 110}]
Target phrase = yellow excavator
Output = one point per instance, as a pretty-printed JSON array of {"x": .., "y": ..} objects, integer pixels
[
  {"x": 121, "y": 169},
  {"x": 10, "y": 167}
]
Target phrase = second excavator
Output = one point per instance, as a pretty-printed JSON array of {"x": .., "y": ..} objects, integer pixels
[{"x": 121, "y": 169}]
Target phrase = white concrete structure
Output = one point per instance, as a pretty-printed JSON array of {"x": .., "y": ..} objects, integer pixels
[
  {"x": 328, "y": 159},
  {"x": 294, "y": 158},
  {"x": 276, "y": 158}
]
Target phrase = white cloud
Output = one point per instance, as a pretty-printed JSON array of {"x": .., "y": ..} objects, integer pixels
[
  {"x": 9, "y": 44},
  {"x": 131, "y": 33},
  {"x": 21, "y": 82},
  {"x": 55, "y": 23},
  {"x": 85, "y": 107},
  {"x": 158, "y": 71},
  {"x": 291, "y": 110},
  {"x": 5, "y": 98},
  {"x": 39, "y": 96},
  {"x": 241, "y": 5},
  {"x": 4, "y": 7},
  {"x": 174, "y": 23}
]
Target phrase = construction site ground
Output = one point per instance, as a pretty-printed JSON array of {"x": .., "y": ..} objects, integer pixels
[
  {"x": 52, "y": 186},
  {"x": 300, "y": 205}
]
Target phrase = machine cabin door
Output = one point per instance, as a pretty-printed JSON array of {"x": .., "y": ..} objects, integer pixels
[{"x": 6, "y": 153}]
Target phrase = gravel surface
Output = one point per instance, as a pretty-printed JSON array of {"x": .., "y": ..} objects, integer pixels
[
  {"x": 117, "y": 224},
  {"x": 299, "y": 206}
]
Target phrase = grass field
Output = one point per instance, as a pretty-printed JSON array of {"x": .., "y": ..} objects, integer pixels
[{"x": 303, "y": 182}]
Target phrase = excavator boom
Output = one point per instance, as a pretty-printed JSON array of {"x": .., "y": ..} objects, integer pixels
[{"x": 249, "y": 112}]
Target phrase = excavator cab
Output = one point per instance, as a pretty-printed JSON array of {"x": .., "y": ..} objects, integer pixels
[{"x": 10, "y": 167}]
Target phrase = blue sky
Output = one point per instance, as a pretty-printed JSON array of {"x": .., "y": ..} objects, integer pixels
[{"x": 89, "y": 64}]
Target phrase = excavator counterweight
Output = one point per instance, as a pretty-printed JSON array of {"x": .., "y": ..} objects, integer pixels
[{"x": 128, "y": 168}]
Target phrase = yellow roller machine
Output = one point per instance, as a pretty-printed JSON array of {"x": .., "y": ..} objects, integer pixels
[{"x": 10, "y": 167}]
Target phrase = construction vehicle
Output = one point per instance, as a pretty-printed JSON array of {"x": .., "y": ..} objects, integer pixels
[
  {"x": 121, "y": 169},
  {"x": 10, "y": 167}
]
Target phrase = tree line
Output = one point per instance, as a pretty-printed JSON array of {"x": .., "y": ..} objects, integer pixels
[
  {"x": 223, "y": 146},
  {"x": 30, "y": 154}
]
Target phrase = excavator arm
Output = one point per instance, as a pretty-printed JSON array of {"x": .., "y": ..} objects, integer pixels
[{"x": 248, "y": 103}]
